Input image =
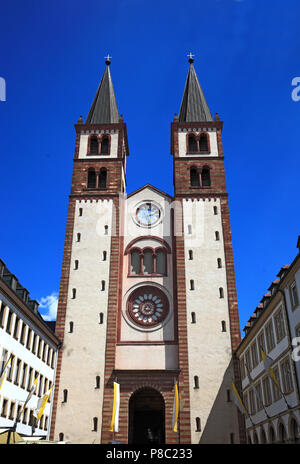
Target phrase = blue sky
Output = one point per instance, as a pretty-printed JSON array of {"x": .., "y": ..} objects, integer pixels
[{"x": 52, "y": 59}]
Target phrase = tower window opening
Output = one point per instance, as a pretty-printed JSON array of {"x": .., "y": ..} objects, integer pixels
[
  {"x": 80, "y": 211},
  {"x": 95, "y": 424},
  {"x": 102, "y": 178},
  {"x": 193, "y": 318},
  {"x": 189, "y": 229},
  {"x": 196, "y": 381},
  {"x": 102, "y": 285},
  {"x": 203, "y": 143},
  {"x": 61, "y": 437},
  {"x": 219, "y": 263},
  {"x": 205, "y": 177},
  {"x": 97, "y": 382},
  {"x": 192, "y": 285},
  {"x": 94, "y": 146},
  {"x": 161, "y": 267},
  {"x": 194, "y": 176},
  {"x": 192, "y": 144},
  {"x": 104, "y": 145},
  {"x": 148, "y": 262},
  {"x": 105, "y": 230},
  {"x": 215, "y": 210},
  {"x": 223, "y": 326},
  {"x": 198, "y": 424},
  {"x": 101, "y": 318},
  {"x": 221, "y": 292},
  {"x": 191, "y": 257},
  {"x": 73, "y": 293},
  {"x": 91, "y": 179},
  {"x": 65, "y": 396},
  {"x": 78, "y": 237},
  {"x": 104, "y": 256},
  {"x": 217, "y": 235},
  {"x": 76, "y": 264},
  {"x": 71, "y": 327}
]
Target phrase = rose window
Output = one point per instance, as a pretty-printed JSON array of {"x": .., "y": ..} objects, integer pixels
[{"x": 148, "y": 306}]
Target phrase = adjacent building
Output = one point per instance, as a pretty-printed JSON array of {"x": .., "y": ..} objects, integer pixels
[
  {"x": 147, "y": 295},
  {"x": 274, "y": 327},
  {"x": 34, "y": 346}
]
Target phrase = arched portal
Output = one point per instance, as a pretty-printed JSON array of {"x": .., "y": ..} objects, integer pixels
[{"x": 146, "y": 417}]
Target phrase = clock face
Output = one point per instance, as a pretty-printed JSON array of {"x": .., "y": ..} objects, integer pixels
[
  {"x": 148, "y": 214},
  {"x": 147, "y": 306}
]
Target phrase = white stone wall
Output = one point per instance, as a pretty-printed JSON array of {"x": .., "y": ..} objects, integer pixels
[
  {"x": 209, "y": 349},
  {"x": 83, "y": 146},
  {"x": 84, "y": 349},
  {"x": 212, "y": 138}
]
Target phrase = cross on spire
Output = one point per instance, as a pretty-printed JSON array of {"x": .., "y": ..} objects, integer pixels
[
  {"x": 107, "y": 59},
  {"x": 190, "y": 56}
]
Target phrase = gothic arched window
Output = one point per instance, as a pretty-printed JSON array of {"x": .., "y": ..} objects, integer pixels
[
  {"x": 192, "y": 144},
  {"x": 148, "y": 262},
  {"x": 104, "y": 145},
  {"x": 205, "y": 177},
  {"x": 102, "y": 178},
  {"x": 94, "y": 146},
  {"x": 91, "y": 179},
  {"x": 135, "y": 265},
  {"x": 161, "y": 258},
  {"x": 194, "y": 176},
  {"x": 203, "y": 143}
]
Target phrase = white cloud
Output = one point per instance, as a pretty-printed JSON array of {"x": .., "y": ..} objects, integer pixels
[{"x": 48, "y": 306}]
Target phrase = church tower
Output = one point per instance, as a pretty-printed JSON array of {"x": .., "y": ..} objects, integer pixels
[{"x": 147, "y": 295}]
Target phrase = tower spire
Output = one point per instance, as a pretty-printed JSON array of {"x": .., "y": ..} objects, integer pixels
[
  {"x": 104, "y": 109},
  {"x": 194, "y": 107}
]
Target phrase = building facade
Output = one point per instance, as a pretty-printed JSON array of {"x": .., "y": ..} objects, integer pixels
[
  {"x": 34, "y": 346},
  {"x": 274, "y": 327},
  {"x": 147, "y": 295}
]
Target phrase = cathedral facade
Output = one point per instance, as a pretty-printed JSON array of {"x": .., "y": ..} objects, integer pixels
[{"x": 147, "y": 294}]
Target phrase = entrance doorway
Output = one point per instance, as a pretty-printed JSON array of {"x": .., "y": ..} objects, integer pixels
[{"x": 146, "y": 417}]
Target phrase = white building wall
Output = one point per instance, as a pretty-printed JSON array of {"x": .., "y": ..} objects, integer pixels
[
  {"x": 84, "y": 349},
  {"x": 209, "y": 349}
]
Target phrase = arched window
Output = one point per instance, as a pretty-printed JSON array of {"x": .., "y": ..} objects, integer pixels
[
  {"x": 102, "y": 178},
  {"x": 282, "y": 434},
  {"x": 101, "y": 318},
  {"x": 135, "y": 262},
  {"x": 95, "y": 424},
  {"x": 104, "y": 255},
  {"x": 223, "y": 326},
  {"x": 148, "y": 262},
  {"x": 105, "y": 230},
  {"x": 94, "y": 146},
  {"x": 192, "y": 285},
  {"x": 102, "y": 285},
  {"x": 104, "y": 145},
  {"x": 215, "y": 210},
  {"x": 205, "y": 177},
  {"x": 161, "y": 259},
  {"x": 191, "y": 257},
  {"x": 217, "y": 235},
  {"x": 192, "y": 144},
  {"x": 221, "y": 292},
  {"x": 196, "y": 381},
  {"x": 193, "y": 318},
  {"x": 272, "y": 435},
  {"x": 294, "y": 431},
  {"x": 194, "y": 175},
  {"x": 91, "y": 179},
  {"x": 203, "y": 143},
  {"x": 65, "y": 396}
]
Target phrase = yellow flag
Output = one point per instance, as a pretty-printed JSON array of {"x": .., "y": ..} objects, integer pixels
[
  {"x": 237, "y": 400},
  {"x": 267, "y": 364},
  {"x": 114, "y": 426},
  {"x": 42, "y": 402},
  {"x": 6, "y": 368},
  {"x": 175, "y": 408}
]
